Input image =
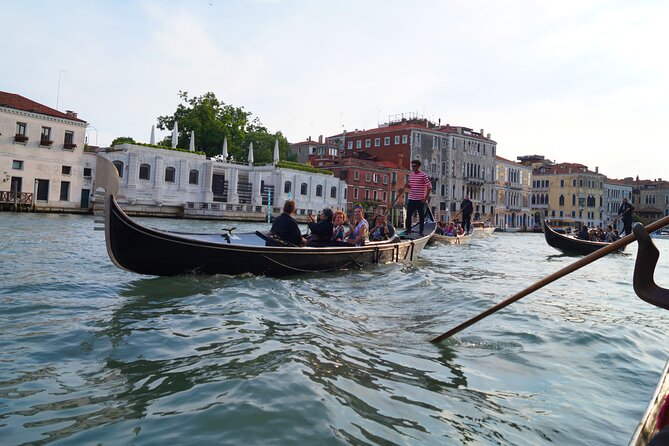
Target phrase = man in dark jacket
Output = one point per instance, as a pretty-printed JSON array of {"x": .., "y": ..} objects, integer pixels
[
  {"x": 625, "y": 212},
  {"x": 466, "y": 207},
  {"x": 285, "y": 227},
  {"x": 321, "y": 231}
]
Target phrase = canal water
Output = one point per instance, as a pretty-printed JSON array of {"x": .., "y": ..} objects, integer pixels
[{"x": 91, "y": 354}]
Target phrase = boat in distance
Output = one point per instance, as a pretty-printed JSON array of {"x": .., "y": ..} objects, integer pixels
[
  {"x": 480, "y": 229},
  {"x": 570, "y": 245},
  {"x": 156, "y": 252},
  {"x": 451, "y": 239}
]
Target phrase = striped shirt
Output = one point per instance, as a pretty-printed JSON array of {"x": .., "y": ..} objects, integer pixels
[{"x": 419, "y": 183}]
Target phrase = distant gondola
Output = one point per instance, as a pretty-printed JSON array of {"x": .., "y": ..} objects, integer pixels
[
  {"x": 145, "y": 250},
  {"x": 571, "y": 245}
]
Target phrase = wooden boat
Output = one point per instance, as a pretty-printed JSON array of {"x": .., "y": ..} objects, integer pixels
[
  {"x": 451, "y": 240},
  {"x": 570, "y": 245},
  {"x": 145, "y": 250},
  {"x": 653, "y": 428},
  {"x": 479, "y": 229}
]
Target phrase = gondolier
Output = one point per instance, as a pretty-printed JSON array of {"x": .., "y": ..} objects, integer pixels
[
  {"x": 625, "y": 213},
  {"x": 419, "y": 190}
]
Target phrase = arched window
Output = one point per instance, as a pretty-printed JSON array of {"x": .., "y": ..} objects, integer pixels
[
  {"x": 287, "y": 187},
  {"x": 193, "y": 176},
  {"x": 333, "y": 192},
  {"x": 119, "y": 168},
  {"x": 170, "y": 174},
  {"x": 319, "y": 191},
  {"x": 144, "y": 172},
  {"x": 573, "y": 199},
  {"x": 561, "y": 200},
  {"x": 303, "y": 188}
]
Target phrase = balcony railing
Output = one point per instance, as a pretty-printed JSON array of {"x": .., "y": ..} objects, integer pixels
[
  {"x": 21, "y": 198},
  {"x": 20, "y": 138},
  {"x": 474, "y": 180},
  {"x": 69, "y": 146},
  {"x": 45, "y": 142}
]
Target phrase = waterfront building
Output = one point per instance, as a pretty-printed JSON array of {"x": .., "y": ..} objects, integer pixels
[
  {"x": 372, "y": 184},
  {"x": 42, "y": 157},
  {"x": 458, "y": 160},
  {"x": 513, "y": 187},
  {"x": 650, "y": 198},
  {"x": 160, "y": 181},
  {"x": 613, "y": 192},
  {"x": 567, "y": 190},
  {"x": 306, "y": 149}
]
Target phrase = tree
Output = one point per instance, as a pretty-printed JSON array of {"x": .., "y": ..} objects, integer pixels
[
  {"x": 263, "y": 147},
  {"x": 122, "y": 140}
]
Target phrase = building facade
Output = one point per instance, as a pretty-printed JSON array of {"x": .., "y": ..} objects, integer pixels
[
  {"x": 650, "y": 198},
  {"x": 42, "y": 156},
  {"x": 513, "y": 190},
  {"x": 613, "y": 192},
  {"x": 157, "y": 181}
]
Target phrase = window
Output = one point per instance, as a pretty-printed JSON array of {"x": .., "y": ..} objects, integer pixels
[
  {"x": 170, "y": 174},
  {"x": 355, "y": 193},
  {"x": 350, "y": 145},
  {"x": 368, "y": 143},
  {"x": 21, "y": 128},
  {"x": 119, "y": 168},
  {"x": 43, "y": 190},
  {"x": 386, "y": 141},
  {"x": 45, "y": 138},
  {"x": 366, "y": 194},
  {"x": 64, "y": 190},
  {"x": 397, "y": 139},
  {"x": 561, "y": 183},
  {"x": 358, "y": 144},
  {"x": 368, "y": 177},
  {"x": 17, "y": 164},
  {"x": 356, "y": 175},
  {"x": 333, "y": 192},
  {"x": 561, "y": 201},
  {"x": 88, "y": 172},
  {"x": 193, "y": 176},
  {"x": 68, "y": 143},
  {"x": 573, "y": 199},
  {"x": 377, "y": 142},
  {"x": 417, "y": 139},
  {"x": 385, "y": 179},
  {"x": 66, "y": 170},
  {"x": 319, "y": 191},
  {"x": 376, "y": 177},
  {"x": 287, "y": 186},
  {"x": 443, "y": 190},
  {"x": 303, "y": 188},
  {"x": 144, "y": 172},
  {"x": 580, "y": 183},
  {"x": 404, "y": 139}
]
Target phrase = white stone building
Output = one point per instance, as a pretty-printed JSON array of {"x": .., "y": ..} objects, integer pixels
[
  {"x": 158, "y": 181},
  {"x": 613, "y": 192},
  {"x": 42, "y": 156}
]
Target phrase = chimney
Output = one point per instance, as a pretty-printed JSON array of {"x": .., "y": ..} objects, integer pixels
[
  {"x": 482, "y": 132},
  {"x": 488, "y": 136},
  {"x": 596, "y": 169},
  {"x": 71, "y": 114},
  {"x": 320, "y": 139}
]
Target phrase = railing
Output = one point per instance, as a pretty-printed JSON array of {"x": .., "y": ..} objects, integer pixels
[
  {"x": 474, "y": 180},
  {"x": 22, "y": 198},
  {"x": 20, "y": 138}
]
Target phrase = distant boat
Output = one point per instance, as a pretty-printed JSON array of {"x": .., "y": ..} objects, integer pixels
[
  {"x": 156, "y": 252},
  {"x": 450, "y": 239},
  {"x": 479, "y": 229},
  {"x": 570, "y": 245},
  {"x": 661, "y": 234}
]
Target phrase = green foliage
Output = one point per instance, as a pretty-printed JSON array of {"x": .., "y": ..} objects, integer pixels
[
  {"x": 303, "y": 167},
  {"x": 198, "y": 152},
  {"x": 213, "y": 121},
  {"x": 122, "y": 140}
]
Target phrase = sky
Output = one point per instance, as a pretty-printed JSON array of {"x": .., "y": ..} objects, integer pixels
[{"x": 575, "y": 80}]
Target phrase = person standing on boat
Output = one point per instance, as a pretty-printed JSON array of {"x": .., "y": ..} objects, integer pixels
[
  {"x": 419, "y": 190},
  {"x": 321, "y": 231},
  {"x": 466, "y": 207},
  {"x": 625, "y": 212},
  {"x": 285, "y": 226}
]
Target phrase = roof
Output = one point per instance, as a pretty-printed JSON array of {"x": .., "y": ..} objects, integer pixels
[
  {"x": 395, "y": 127},
  {"x": 564, "y": 168},
  {"x": 18, "y": 102}
]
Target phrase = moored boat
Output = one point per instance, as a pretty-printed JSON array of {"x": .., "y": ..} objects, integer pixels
[
  {"x": 570, "y": 245},
  {"x": 479, "y": 229},
  {"x": 145, "y": 250}
]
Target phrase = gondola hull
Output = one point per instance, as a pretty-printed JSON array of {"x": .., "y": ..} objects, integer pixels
[
  {"x": 144, "y": 250},
  {"x": 570, "y": 245}
]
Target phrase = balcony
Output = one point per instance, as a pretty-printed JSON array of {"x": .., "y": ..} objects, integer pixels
[
  {"x": 474, "y": 180},
  {"x": 20, "y": 138},
  {"x": 45, "y": 142},
  {"x": 69, "y": 146}
]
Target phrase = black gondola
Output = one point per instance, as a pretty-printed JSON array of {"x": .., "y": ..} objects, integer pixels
[
  {"x": 145, "y": 250},
  {"x": 570, "y": 245}
]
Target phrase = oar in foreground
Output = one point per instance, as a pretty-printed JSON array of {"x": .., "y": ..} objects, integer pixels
[{"x": 553, "y": 277}]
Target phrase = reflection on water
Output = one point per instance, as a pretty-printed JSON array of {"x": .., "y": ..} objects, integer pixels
[{"x": 93, "y": 354}]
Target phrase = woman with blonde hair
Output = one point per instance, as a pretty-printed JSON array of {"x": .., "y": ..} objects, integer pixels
[{"x": 357, "y": 235}]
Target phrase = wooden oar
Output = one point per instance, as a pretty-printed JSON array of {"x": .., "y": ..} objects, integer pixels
[
  {"x": 395, "y": 201},
  {"x": 553, "y": 277}
]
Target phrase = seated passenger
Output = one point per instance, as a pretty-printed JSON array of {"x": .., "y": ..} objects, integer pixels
[
  {"x": 382, "y": 230},
  {"x": 321, "y": 231},
  {"x": 358, "y": 234},
  {"x": 451, "y": 229},
  {"x": 338, "y": 229},
  {"x": 285, "y": 227},
  {"x": 583, "y": 233},
  {"x": 611, "y": 236},
  {"x": 440, "y": 229}
]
